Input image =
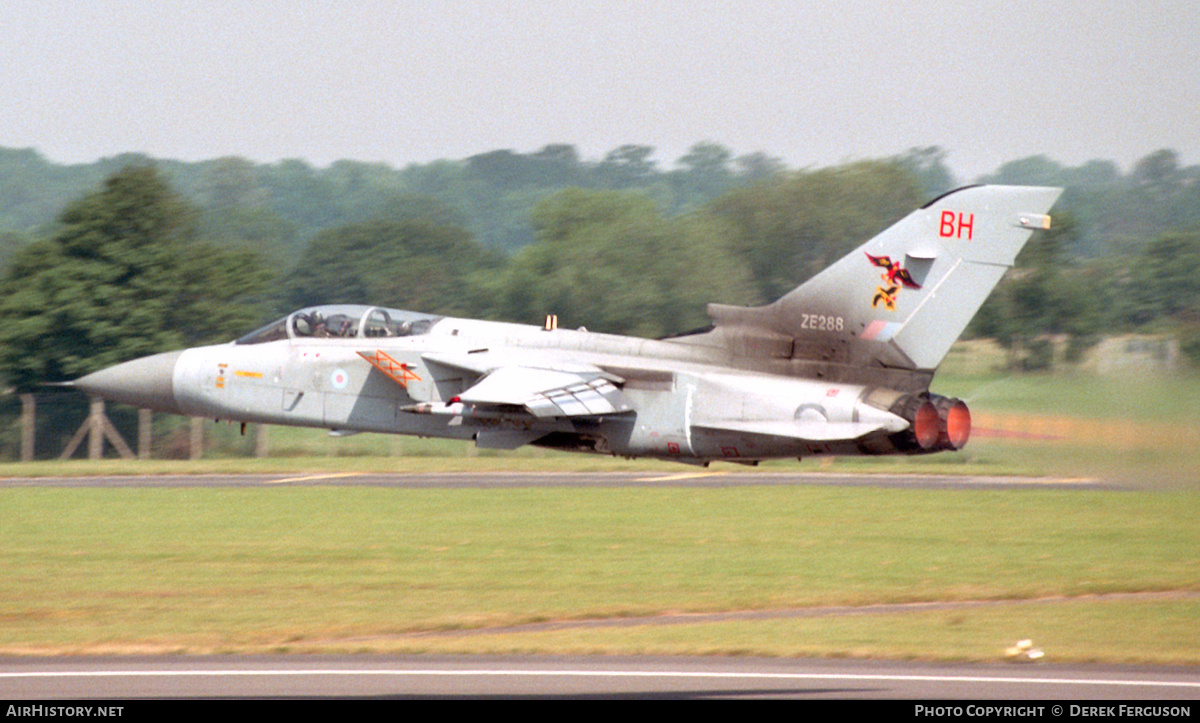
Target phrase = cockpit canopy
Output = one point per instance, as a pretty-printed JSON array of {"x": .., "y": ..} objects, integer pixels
[{"x": 343, "y": 321}]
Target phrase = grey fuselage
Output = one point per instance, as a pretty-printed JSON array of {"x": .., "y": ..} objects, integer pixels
[{"x": 680, "y": 392}]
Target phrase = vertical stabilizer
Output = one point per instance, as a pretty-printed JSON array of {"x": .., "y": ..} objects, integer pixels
[{"x": 905, "y": 296}]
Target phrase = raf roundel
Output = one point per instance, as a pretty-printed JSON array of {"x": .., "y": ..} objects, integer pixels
[{"x": 339, "y": 378}]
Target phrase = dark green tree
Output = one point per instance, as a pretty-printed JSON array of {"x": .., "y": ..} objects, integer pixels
[
  {"x": 611, "y": 261},
  {"x": 928, "y": 166},
  {"x": 791, "y": 226},
  {"x": 123, "y": 277},
  {"x": 704, "y": 173},
  {"x": 1160, "y": 170},
  {"x": 1162, "y": 281},
  {"x": 626, "y": 166},
  {"x": 10, "y": 243},
  {"x": 1031, "y": 171},
  {"x": 1045, "y": 295},
  {"x": 758, "y": 166},
  {"x": 415, "y": 258}
]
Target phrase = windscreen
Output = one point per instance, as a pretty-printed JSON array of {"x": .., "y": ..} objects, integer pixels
[{"x": 343, "y": 322}]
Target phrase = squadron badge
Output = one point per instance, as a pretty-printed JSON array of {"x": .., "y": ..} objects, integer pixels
[{"x": 894, "y": 277}]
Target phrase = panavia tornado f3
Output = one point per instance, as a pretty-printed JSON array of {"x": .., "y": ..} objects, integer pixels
[{"x": 839, "y": 366}]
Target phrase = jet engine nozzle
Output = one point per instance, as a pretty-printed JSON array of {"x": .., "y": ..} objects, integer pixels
[
  {"x": 954, "y": 423},
  {"x": 924, "y": 427},
  {"x": 936, "y": 424}
]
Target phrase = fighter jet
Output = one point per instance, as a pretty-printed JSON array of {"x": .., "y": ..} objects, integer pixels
[{"x": 841, "y": 365}]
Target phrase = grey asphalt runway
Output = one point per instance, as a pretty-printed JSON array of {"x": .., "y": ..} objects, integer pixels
[
  {"x": 362, "y": 676},
  {"x": 668, "y": 477}
]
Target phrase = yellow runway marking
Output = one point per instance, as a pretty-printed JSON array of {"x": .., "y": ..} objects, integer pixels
[
  {"x": 1052, "y": 480},
  {"x": 311, "y": 477},
  {"x": 681, "y": 475}
]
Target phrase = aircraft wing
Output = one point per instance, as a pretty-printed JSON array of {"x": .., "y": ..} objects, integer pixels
[
  {"x": 484, "y": 361},
  {"x": 565, "y": 391},
  {"x": 480, "y": 363},
  {"x": 549, "y": 392}
]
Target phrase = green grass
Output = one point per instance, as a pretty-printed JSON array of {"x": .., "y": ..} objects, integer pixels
[
  {"x": 325, "y": 568},
  {"x": 1128, "y": 429},
  {"x": 353, "y": 568},
  {"x": 1152, "y": 399},
  {"x": 1162, "y": 633},
  {"x": 973, "y": 370}
]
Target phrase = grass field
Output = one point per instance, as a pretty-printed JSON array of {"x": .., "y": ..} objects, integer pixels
[
  {"x": 326, "y": 568},
  {"x": 333, "y": 568}
]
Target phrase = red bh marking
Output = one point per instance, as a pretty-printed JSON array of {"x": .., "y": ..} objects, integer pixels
[{"x": 952, "y": 226}]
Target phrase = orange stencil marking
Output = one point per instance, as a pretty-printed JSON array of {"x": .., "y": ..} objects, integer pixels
[{"x": 396, "y": 371}]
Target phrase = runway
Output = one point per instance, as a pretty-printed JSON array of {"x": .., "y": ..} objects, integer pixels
[
  {"x": 384, "y": 677},
  {"x": 481, "y": 480}
]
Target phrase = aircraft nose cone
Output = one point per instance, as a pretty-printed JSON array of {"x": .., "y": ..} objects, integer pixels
[{"x": 146, "y": 383}]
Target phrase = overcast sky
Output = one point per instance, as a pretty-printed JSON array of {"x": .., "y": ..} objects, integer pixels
[{"x": 813, "y": 83}]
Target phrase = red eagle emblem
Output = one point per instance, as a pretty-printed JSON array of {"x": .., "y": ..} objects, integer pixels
[{"x": 895, "y": 277}]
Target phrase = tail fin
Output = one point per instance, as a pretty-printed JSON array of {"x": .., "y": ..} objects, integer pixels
[{"x": 904, "y": 297}]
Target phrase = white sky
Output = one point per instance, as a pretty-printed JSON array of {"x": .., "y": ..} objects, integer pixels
[{"x": 813, "y": 83}]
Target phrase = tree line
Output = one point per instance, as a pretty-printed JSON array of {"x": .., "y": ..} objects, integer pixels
[
  {"x": 284, "y": 205},
  {"x": 139, "y": 263}
]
